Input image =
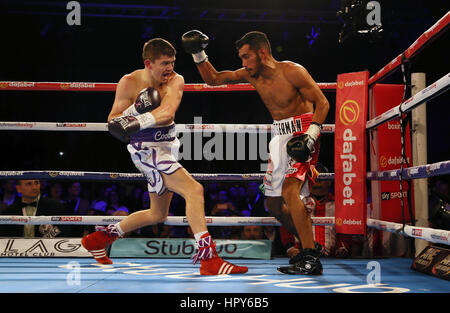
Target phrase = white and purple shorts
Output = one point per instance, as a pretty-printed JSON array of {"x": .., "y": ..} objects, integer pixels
[{"x": 154, "y": 151}]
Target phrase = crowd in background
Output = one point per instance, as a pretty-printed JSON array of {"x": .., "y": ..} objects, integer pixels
[
  {"x": 121, "y": 199},
  {"x": 221, "y": 199}
]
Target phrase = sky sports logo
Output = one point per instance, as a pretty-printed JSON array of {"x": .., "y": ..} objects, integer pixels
[{"x": 393, "y": 195}]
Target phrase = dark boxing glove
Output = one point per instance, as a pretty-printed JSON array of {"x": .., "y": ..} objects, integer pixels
[
  {"x": 147, "y": 100},
  {"x": 299, "y": 147},
  {"x": 194, "y": 42},
  {"x": 124, "y": 126}
]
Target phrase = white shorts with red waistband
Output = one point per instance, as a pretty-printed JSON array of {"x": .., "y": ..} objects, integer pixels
[
  {"x": 280, "y": 165},
  {"x": 155, "y": 151}
]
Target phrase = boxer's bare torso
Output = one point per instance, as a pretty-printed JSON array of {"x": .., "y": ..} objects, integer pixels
[
  {"x": 161, "y": 77},
  {"x": 286, "y": 88},
  {"x": 280, "y": 96}
]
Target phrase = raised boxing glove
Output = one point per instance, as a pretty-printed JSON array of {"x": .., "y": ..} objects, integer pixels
[{"x": 194, "y": 42}]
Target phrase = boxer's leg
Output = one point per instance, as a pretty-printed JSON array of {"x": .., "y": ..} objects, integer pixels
[
  {"x": 273, "y": 184},
  {"x": 157, "y": 213},
  {"x": 307, "y": 261},
  {"x": 278, "y": 209},
  {"x": 96, "y": 242},
  {"x": 300, "y": 217},
  {"x": 183, "y": 184}
]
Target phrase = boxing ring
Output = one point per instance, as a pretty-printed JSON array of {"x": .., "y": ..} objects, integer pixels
[{"x": 134, "y": 275}]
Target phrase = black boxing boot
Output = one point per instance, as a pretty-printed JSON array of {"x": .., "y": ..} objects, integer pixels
[
  {"x": 296, "y": 258},
  {"x": 308, "y": 263}
]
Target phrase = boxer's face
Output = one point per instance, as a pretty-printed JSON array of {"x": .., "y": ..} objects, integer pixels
[
  {"x": 250, "y": 60},
  {"x": 161, "y": 68}
]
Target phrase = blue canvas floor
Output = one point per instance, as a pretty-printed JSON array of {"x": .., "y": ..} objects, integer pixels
[{"x": 84, "y": 275}]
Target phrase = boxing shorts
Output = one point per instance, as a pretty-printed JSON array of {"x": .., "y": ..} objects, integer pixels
[
  {"x": 280, "y": 165},
  {"x": 155, "y": 151}
]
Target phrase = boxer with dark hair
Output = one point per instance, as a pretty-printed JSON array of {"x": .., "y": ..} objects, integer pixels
[
  {"x": 298, "y": 108},
  {"x": 143, "y": 116}
]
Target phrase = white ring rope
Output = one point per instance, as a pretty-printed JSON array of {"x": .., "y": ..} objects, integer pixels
[
  {"x": 179, "y": 128},
  {"x": 428, "y": 93},
  {"x": 171, "y": 220},
  {"x": 414, "y": 172},
  {"x": 428, "y": 234}
]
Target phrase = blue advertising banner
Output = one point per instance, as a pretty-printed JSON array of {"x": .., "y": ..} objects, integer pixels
[{"x": 185, "y": 248}]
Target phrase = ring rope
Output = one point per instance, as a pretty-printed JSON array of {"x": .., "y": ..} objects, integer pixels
[
  {"x": 105, "y": 176},
  {"x": 429, "y": 234},
  {"x": 179, "y": 128},
  {"x": 431, "y": 34},
  {"x": 171, "y": 220},
  {"x": 94, "y": 86},
  {"x": 421, "y": 171},
  {"x": 428, "y": 93}
]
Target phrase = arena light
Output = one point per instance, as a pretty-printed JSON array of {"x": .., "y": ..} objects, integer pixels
[{"x": 361, "y": 18}]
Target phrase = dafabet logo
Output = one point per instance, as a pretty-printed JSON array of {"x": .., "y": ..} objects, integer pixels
[{"x": 349, "y": 112}]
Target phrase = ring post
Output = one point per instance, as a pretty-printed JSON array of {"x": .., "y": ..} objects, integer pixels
[{"x": 419, "y": 157}]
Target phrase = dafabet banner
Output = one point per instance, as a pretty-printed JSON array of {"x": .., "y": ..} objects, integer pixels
[{"x": 351, "y": 153}]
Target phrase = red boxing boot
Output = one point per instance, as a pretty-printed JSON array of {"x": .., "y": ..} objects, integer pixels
[
  {"x": 211, "y": 263},
  {"x": 97, "y": 242}
]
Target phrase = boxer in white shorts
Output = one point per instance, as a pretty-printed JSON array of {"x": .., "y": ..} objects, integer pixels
[{"x": 288, "y": 91}]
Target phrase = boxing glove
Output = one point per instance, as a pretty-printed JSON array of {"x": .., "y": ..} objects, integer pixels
[
  {"x": 194, "y": 42},
  {"x": 147, "y": 100},
  {"x": 124, "y": 126},
  {"x": 300, "y": 147}
]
